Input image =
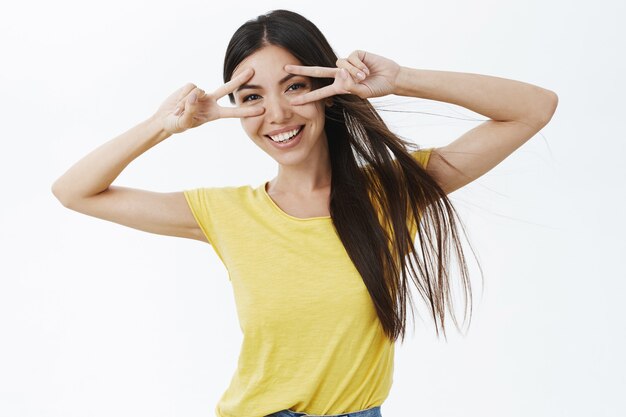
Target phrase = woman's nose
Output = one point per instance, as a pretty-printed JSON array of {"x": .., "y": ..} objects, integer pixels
[{"x": 277, "y": 109}]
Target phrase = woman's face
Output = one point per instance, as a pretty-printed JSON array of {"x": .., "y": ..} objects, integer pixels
[{"x": 272, "y": 87}]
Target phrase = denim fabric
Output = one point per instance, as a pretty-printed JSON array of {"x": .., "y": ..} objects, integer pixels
[{"x": 370, "y": 412}]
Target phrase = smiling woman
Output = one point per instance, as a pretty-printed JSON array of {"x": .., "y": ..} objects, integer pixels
[
  {"x": 293, "y": 135},
  {"x": 321, "y": 256}
]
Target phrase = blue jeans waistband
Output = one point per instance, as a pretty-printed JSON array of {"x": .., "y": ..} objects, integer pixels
[{"x": 369, "y": 412}]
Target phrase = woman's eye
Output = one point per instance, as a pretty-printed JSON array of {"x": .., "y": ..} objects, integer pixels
[
  {"x": 292, "y": 87},
  {"x": 246, "y": 98},
  {"x": 298, "y": 85}
]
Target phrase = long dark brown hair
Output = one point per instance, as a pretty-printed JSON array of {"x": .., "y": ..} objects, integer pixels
[{"x": 374, "y": 210}]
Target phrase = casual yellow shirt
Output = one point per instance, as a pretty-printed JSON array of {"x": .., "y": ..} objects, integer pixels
[{"x": 312, "y": 341}]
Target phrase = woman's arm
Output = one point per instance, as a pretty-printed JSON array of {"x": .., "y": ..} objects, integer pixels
[
  {"x": 518, "y": 111},
  {"x": 95, "y": 172},
  {"x": 86, "y": 186}
]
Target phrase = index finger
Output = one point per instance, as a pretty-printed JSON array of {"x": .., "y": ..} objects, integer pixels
[
  {"x": 319, "y": 72},
  {"x": 231, "y": 85},
  {"x": 315, "y": 95},
  {"x": 240, "y": 112}
]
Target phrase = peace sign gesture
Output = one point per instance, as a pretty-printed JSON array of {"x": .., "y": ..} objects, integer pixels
[
  {"x": 362, "y": 73},
  {"x": 190, "y": 106}
]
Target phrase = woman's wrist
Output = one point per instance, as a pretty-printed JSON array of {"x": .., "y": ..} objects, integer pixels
[
  {"x": 156, "y": 129},
  {"x": 405, "y": 83}
]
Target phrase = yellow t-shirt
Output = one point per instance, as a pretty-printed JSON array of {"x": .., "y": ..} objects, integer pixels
[{"x": 312, "y": 341}]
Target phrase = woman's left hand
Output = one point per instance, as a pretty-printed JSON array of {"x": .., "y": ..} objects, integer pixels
[{"x": 363, "y": 73}]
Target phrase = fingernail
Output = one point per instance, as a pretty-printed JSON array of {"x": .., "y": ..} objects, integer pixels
[
  {"x": 366, "y": 70},
  {"x": 360, "y": 75},
  {"x": 192, "y": 98}
]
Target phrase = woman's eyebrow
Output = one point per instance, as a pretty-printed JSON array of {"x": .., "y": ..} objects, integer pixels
[{"x": 253, "y": 86}]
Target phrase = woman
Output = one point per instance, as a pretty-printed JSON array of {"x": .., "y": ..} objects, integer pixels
[{"x": 319, "y": 257}]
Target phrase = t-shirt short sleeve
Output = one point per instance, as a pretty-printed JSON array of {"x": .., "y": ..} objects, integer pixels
[
  {"x": 422, "y": 156},
  {"x": 215, "y": 211},
  {"x": 199, "y": 202}
]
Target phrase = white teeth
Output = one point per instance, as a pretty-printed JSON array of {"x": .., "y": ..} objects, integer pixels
[{"x": 285, "y": 135}]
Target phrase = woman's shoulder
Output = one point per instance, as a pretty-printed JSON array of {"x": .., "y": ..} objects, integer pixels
[{"x": 422, "y": 156}]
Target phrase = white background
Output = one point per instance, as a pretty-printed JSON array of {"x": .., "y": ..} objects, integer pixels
[{"x": 97, "y": 319}]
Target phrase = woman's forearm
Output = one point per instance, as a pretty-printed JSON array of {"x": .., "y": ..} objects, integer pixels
[
  {"x": 499, "y": 99},
  {"x": 96, "y": 171}
]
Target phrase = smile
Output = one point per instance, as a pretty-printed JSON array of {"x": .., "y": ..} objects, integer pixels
[
  {"x": 286, "y": 139},
  {"x": 285, "y": 136}
]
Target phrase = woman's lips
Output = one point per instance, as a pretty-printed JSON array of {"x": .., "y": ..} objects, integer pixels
[
  {"x": 283, "y": 130},
  {"x": 291, "y": 143}
]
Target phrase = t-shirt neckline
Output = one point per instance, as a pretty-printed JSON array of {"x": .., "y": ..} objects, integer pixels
[{"x": 287, "y": 215}]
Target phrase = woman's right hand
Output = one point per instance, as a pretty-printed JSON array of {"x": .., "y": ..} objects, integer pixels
[{"x": 190, "y": 106}]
